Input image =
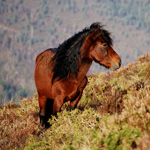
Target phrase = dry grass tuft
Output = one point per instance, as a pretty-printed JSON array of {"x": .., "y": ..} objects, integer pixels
[{"x": 18, "y": 122}]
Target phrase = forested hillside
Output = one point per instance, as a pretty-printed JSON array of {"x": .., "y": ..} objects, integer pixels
[{"x": 28, "y": 27}]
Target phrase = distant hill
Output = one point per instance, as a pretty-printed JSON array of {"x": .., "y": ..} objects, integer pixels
[
  {"x": 28, "y": 27},
  {"x": 113, "y": 113}
]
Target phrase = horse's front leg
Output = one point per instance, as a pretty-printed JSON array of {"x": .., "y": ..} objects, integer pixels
[
  {"x": 63, "y": 94},
  {"x": 74, "y": 102},
  {"x": 60, "y": 93},
  {"x": 58, "y": 102}
]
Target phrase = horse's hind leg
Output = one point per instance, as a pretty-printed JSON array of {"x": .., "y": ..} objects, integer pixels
[
  {"x": 42, "y": 104},
  {"x": 74, "y": 102},
  {"x": 46, "y": 108}
]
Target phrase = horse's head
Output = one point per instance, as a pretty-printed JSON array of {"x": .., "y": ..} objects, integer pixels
[{"x": 101, "y": 50}]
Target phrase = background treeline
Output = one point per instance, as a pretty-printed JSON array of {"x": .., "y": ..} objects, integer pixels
[{"x": 28, "y": 27}]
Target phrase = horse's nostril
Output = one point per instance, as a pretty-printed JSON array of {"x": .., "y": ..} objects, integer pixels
[{"x": 119, "y": 62}]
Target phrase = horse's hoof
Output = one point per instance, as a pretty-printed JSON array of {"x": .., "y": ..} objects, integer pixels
[
  {"x": 40, "y": 133},
  {"x": 42, "y": 121}
]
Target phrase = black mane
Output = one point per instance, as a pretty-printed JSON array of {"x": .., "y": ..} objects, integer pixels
[{"x": 68, "y": 54}]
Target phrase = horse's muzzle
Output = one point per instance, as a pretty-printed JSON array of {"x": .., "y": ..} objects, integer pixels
[{"x": 116, "y": 66}]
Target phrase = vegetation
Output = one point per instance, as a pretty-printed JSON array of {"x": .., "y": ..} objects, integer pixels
[{"x": 114, "y": 113}]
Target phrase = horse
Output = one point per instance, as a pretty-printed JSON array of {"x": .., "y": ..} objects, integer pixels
[{"x": 60, "y": 73}]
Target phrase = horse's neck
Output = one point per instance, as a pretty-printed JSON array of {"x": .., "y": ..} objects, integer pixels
[
  {"x": 85, "y": 64},
  {"x": 84, "y": 67}
]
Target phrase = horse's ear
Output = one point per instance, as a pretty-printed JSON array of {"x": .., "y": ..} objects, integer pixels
[{"x": 95, "y": 34}]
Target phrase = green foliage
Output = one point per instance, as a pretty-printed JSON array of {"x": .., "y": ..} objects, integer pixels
[
  {"x": 122, "y": 139},
  {"x": 76, "y": 130}
]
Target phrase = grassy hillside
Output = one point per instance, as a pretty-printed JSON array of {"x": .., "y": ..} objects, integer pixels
[{"x": 114, "y": 113}]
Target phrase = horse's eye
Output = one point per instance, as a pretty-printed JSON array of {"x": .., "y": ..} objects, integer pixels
[{"x": 105, "y": 44}]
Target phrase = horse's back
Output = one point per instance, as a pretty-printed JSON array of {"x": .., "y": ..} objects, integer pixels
[{"x": 47, "y": 53}]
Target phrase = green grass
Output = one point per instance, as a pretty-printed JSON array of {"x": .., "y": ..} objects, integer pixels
[
  {"x": 113, "y": 114},
  {"x": 86, "y": 130}
]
